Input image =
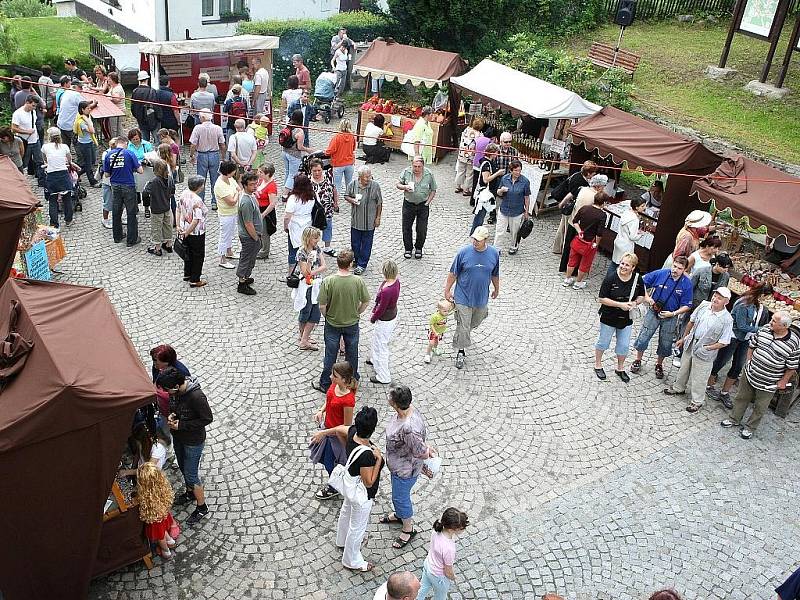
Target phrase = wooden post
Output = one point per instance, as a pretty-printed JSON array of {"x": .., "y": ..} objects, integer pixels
[
  {"x": 737, "y": 15},
  {"x": 793, "y": 39},
  {"x": 777, "y": 26}
]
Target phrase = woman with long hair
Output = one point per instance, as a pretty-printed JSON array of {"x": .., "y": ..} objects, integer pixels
[
  {"x": 748, "y": 315},
  {"x": 159, "y": 193},
  {"x": 297, "y": 214},
  {"x": 293, "y": 155},
  {"x": 267, "y": 197},
  {"x": 327, "y": 195}
]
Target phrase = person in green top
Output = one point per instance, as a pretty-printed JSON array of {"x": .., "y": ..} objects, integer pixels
[
  {"x": 342, "y": 299},
  {"x": 422, "y": 136},
  {"x": 419, "y": 188},
  {"x": 438, "y": 325}
]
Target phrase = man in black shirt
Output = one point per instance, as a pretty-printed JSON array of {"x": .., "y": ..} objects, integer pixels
[
  {"x": 148, "y": 116},
  {"x": 165, "y": 95}
]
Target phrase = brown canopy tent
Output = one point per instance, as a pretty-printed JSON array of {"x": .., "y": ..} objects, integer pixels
[
  {"x": 755, "y": 191},
  {"x": 620, "y": 136},
  {"x": 16, "y": 201},
  {"x": 64, "y": 419}
]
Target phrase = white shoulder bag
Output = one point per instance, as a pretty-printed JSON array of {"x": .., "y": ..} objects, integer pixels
[
  {"x": 641, "y": 309},
  {"x": 351, "y": 487}
]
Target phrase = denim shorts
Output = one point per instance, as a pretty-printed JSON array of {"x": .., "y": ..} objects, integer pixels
[
  {"x": 292, "y": 251},
  {"x": 189, "y": 462},
  {"x": 623, "y": 339},
  {"x": 107, "y": 197},
  {"x": 401, "y": 496},
  {"x": 310, "y": 312}
]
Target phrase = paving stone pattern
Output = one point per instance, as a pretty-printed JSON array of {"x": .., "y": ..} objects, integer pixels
[{"x": 590, "y": 489}]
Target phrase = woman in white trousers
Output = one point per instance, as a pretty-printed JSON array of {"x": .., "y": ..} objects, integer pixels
[
  {"x": 227, "y": 191},
  {"x": 384, "y": 316},
  {"x": 354, "y": 518}
]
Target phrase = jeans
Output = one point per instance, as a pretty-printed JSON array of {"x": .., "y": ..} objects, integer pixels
[
  {"x": 208, "y": 165},
  {"x": 149, "y": 134},
  {"x": 361, "y": 242},
  {"x": 666, "y": 333},
  {"x": 189, "y": 462},
  {"x": 401, "y": 496},
  {"x": 32, "y": 158},
  {"x": 328, "y": 457},
  {"x": 736, "y": 349},
  {"x": 477, "y": 221},
  {"x": 350, "y": 530},
  {"x": 291, "y": 164},
  {"x": 195, "y": 255},
  {"x": 438, "y": 583},
  {"x": 343, "y": 173},
  {"x": 87, "y": 156},
  {"x": 292, "y": 251},
  {"x": 124, "y": 196},
  {"x": 623, "y": 339},
  {"x": 332, "y": 336},
  {"x": 612, "y": 268},
  {"x": 55, "y": 182},
  {"x": 247, "y": 257},
  {"x": 327, "y": 233},
  {"x": 412, "y": 212}
]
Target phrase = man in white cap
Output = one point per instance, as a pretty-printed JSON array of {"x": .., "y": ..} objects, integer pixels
[
  {"x": 147, "y": 115},
  {"x": 695, "y": 228},
  {"x": 473, "y": 268},
  {"x": 710, "y": 328},
  {"x": 585, "y": 197},
  {"x": 207, "y": 145}
]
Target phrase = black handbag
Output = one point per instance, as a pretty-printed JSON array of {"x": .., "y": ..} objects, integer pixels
[
  {"x": 318, "y": 218},
  {"x": 293, "y": 279},
  {"x": 179, "y": 247},
  {"x": 272, "y": 223},
  {"x": 525, "y": 229},
  {"x": 567, "y": 209}
]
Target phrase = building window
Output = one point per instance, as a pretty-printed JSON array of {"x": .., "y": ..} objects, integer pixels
[
  {"x": 208, "y": 8},
  {"x": 231, "y": 7}
]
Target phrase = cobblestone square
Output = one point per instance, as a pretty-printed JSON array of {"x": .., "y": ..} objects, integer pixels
[{"x": 589, "y": 489}]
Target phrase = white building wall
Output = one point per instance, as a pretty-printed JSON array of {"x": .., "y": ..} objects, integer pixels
[{"x": 137, "y": 15}]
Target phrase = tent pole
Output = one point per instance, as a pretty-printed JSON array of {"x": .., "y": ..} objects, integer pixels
[{"x": 546, "y": 188}]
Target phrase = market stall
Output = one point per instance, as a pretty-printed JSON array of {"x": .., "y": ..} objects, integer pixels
[
  {"x": 16, "y": 201},
  {"x": 546, "y": 113},
  {"x": 613, "y": 139},
  {"x": 419, "y": 66},
  {"x": 757, "y": 196},
  {"x": 71, "y": 381},
  {"x": 184, "y": 60}
]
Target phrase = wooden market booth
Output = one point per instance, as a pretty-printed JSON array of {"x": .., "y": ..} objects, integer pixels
[
  {"x": 497, "y": 86},
  {"x": 419, "y": 66},
  {"x": 184, "y": 60},
  {"x": 613, "y": 138}
]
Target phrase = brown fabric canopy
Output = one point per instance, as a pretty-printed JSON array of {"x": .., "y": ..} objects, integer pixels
[
  {"x": 764, "y": 199},
  {"x": 623, "y": 137},
  {"x": 16, "y": 201},
  {"x": 64, "y": 420},
  {"x": 409, "y": 63},
  {"x": 641, "y": 143}
]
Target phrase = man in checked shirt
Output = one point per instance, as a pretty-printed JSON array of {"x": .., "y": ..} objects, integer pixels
[{"x": 504, "y": 157}]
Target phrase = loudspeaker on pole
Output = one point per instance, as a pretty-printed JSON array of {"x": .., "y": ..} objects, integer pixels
[{"x": 626, "y": 11}]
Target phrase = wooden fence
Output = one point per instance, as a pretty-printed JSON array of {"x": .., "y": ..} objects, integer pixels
[{"x": 660, "y": 9}]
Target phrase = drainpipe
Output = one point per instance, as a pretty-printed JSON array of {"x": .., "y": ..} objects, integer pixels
[{"x": 166, "y": 19}]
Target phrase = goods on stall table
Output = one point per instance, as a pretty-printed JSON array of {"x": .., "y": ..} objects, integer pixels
[
  {"x": 412, "y": 111},
  {"x": 753, "y": 270}
]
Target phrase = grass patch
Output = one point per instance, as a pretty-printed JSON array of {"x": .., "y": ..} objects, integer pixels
[
  {"x": 670, "y": 83},
  {"x": 68, "y": 36}
]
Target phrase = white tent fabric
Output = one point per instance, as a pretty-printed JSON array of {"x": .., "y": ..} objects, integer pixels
[
  {"x": 236, "y": 43},
  {"x": 522, "y": 94}
]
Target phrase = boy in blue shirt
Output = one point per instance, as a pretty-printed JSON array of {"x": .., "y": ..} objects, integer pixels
[{"x": 121, "y": 164}]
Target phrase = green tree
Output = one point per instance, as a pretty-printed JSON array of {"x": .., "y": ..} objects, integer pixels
[
  {"x": 26, "y": 8},
  {"x": 8, "y": 39}
]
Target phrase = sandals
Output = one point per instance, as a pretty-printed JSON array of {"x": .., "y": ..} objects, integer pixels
[
  {"x": 309, "y": 347},
  {"x": 365, "y": 569},
  {"x": 389, "y": 519},
  {"x": 399, "y": 542},
  {"x": 636, "y": 366},
  {"x": 659, "y": 371}
]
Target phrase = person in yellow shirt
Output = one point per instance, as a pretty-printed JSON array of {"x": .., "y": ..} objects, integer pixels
[
  {"x": 227, "y": 191},
  {"x": 422, "y": 136},
  {"x": 437, "y": 327}
]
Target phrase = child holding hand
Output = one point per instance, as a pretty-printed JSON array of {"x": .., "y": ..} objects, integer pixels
[{"x": 437, "y": 327}]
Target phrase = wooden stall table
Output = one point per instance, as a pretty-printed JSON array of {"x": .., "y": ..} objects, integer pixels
[{"x": 442, "y": 132}]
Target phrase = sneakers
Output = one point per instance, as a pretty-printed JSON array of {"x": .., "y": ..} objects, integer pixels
[
  {"x": 513, "y": 251},
  {"x": 197, "y": 515},
  {"x": 227, "y": 265},
  {"x": 330, "y": 251},
  {"x": 727, "y": 423},
  {"x": 326, "y": 493},
  {"x": 461, "y": 360},
  {"x": 725, "y": 398},
  {"x": 676, "y": 362},
  {"x": 712, "y": 392},
  {"x": 579, "y": 285},
  {"x": 427, "y": 359},
  {"x": 359, "y": 271},
  {"x": 107, "y": 223},
  {"x": 244, "y": 288},
  {"x": 568, "y": 281},
  {"x": 184, "y": 498},
  {"x": 437, "y": 351},
  {"x": 746, "y": 433}
]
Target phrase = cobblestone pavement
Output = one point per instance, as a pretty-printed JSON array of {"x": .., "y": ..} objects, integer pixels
[{"x": 591, "y": 489}]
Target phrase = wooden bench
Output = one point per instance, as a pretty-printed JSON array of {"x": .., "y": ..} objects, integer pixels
[{"x": 602, "y": 55}]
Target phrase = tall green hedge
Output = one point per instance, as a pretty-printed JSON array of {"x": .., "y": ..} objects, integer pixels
[{"x": 312, "y": 38}]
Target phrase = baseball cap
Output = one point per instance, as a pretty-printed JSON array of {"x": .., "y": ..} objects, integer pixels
[
  {"x": 480, "y": 233},
  {"x": 143, "y": 76},
  {"x": 724, "y": 292}
]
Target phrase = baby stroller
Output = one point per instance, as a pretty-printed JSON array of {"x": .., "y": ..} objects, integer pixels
[
  {"x": 305, "y": 164},
  {"x": 79, "y": 192},
  {"x": 328, "y": 107}
]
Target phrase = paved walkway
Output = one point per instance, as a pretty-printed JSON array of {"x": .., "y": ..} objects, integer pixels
[{"x": 591, "y": 489}]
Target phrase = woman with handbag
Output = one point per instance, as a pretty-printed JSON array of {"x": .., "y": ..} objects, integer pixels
[
  {"x": 267, "y": 197},
  {"x": 297, "y": 215},
  {"x": 585, "y": 197},
  {"x": 327, "y": 194},
  {"x": 406, "y": 451},
  {"x": 620, "y": 293},
  {"x": 311, "y": 264}
]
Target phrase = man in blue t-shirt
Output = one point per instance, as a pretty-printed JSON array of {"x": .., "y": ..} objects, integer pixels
[
  {"x": 473, "y": 268},
  {"x": 671, "y": 297},
  {"x": 121, "y": 164}
]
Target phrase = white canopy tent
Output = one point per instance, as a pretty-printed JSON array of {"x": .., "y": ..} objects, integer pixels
[
  {"x": 235, "y": 43},
  {"x": 522, "y": 94}
]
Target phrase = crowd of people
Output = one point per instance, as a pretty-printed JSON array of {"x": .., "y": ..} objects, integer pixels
[{"x": 685, "y": 302}]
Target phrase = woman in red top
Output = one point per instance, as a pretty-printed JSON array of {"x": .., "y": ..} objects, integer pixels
[
  {"x": 340, "y": 400},
  {"x": 267, "y": 197},
  {"x": 342, "y": 151}
]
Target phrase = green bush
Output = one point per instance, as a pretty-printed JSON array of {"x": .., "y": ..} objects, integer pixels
[
  {"x": 26, "y": 8},
  {"x": 524, "y": 53},
  {"x": 312, "y": 38},
  {"x": 8, "y": 38},
  {"x": 34, "y": 60}
]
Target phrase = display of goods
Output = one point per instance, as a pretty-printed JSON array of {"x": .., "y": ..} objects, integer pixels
[
  {"x": 389, "y": 107},
  {"x": 754, "y": 271}
]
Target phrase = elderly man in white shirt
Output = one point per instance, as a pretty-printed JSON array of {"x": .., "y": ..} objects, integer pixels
[
  {"x": 710, "y": 328},
  {"x": 242, "y": 146},
  {"x": 403, "y": 585}
]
